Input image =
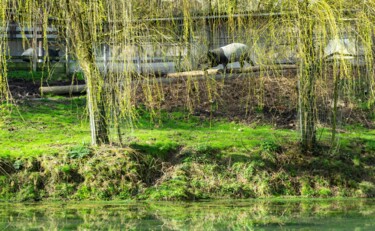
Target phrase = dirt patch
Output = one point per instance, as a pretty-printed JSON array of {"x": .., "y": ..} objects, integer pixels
[
  {"x": 267, "y": 98},
  {"x": 23, "y": 89},
  {"x": 246, "y": 99}
]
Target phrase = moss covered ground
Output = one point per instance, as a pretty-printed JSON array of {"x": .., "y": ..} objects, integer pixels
[{"x": 45, "y": 154}]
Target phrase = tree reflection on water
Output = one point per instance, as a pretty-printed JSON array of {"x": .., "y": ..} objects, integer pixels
[{"x": 211, "y": 215}]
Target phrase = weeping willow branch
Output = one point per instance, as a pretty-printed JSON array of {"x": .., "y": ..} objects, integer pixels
[
  {"x": 113, "y": 42},
  {"x": 4, "y": 93}
]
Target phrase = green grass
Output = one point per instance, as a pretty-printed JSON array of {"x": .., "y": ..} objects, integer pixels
[
  {"x": 57, "y": 125},
  {"x": 38, "y": 76},
  {"x": 27, "y": 75},
  {"x": 173, "y": 157},
  {"x": 217, "y": 134},
  {"x": 52, "y": 126},
  {"x": 43, "y": 127}
]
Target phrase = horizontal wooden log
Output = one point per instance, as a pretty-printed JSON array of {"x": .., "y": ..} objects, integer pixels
[
  {"x": 230, "y": 71},
  {"x": 263, "y": 68},
  {"x": 63, "y": 90},
  {"x": 192, "y": 73}
]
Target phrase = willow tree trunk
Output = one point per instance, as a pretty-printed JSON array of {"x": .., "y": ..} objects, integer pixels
[
  {"x": 35, "y": 45},
  {"x": 307, "y": 80},
  {"x": 83, "y": 33},
  {"x": 4, "y": 94},
  {"x": 336, "y": 79},
  {"x": 96, "y": 106}
]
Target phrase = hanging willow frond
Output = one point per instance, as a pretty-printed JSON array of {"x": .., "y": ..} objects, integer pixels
[{"x": 113, "y": 40}]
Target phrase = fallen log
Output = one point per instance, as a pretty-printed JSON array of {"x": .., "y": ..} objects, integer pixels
[
  {"x": 193, "y": 73},
  {"x": 232, "y": 71},
  {"x": 63, "y": 90},
  {"x": 263, "y": 68}
]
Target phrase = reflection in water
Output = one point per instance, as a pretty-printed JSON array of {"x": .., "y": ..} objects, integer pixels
[{"x": 213, "y": 215}]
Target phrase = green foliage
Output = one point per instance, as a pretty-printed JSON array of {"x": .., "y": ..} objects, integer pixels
[
  {"x": 34, "y": 76},
  {"x": 64, "y": 190},
  {"x": 67, "y": 168},
  {"x": 42, "y": 77},
  {"x": 31, "y": 190},
  {"x": 201, "y": 153},
  {"x": 324, "y": 192},
  {"x": 158, "y": 149},
  {"x": 126, "y": 174},
  {"x": 366, "y": 189},
  {"x": 174, "y": 189},
  {"x": 18, "y": 164},
  {"x": 83, "y": 193},
  {"x": 79, "y": 152},
  {"x": 79, "y": 76},
  {"x": 306, "y": 189},
  {"x": 245, "y": 170},
  {"x": 370, "y": 146},
  {"x": 356, "y": 161},
  {"x": 269, "y": 149},
  {"x": 270, "y": 146}
]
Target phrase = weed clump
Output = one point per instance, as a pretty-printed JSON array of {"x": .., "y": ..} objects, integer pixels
[
  {"x": 105, "y": 173},
  {"x": 6, "y": 166},
  {"x": 366, "y": 189}
]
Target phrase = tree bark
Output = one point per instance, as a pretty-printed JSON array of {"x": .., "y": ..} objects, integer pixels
[
  {"x": 82, "y": 33},
  {"x": 307, "y": 79}
]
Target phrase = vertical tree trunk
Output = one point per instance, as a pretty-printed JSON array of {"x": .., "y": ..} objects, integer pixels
[
  {"x": 209, "y": 28},
  {"x": 96, "y": 106},
  {"x": 35, "y": 45},
  {"x": 102, "y": 126},
  {"x": 90, "y": 107},
  {"x": 4, "y": 93},
  {"x": 103, "y": 133},
  {"x": 81, "y": 32},
  {"x": 335, "y": 99},
  {"x": 67, "y": 61},
  {"x": 307, "y": 79}
]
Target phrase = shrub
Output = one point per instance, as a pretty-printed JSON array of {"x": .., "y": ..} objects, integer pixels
[
  {"x": 366, "y": 189},
  {"x": 79, "y": 152},
  {"x": 324, "y": 192}
]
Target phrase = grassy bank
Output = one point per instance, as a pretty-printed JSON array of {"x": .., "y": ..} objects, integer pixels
[{"x": 45, "y": 155}]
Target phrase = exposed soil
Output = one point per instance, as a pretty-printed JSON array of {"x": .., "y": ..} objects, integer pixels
[
  {"x": 271, "y": 99},
  {"x": 240, "y": 99},
  {"x": 23, "y": 89}
]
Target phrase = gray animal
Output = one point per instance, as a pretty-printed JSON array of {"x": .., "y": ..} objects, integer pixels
[
  {"x": 52, "y": 53},
  {"x": 234, "y": 52}
]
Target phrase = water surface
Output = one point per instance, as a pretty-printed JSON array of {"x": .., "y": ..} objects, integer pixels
[{"x": 211, "y": 215}]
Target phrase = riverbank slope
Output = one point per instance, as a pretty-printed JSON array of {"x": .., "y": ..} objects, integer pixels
[{"x": 178, "y": 156}]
